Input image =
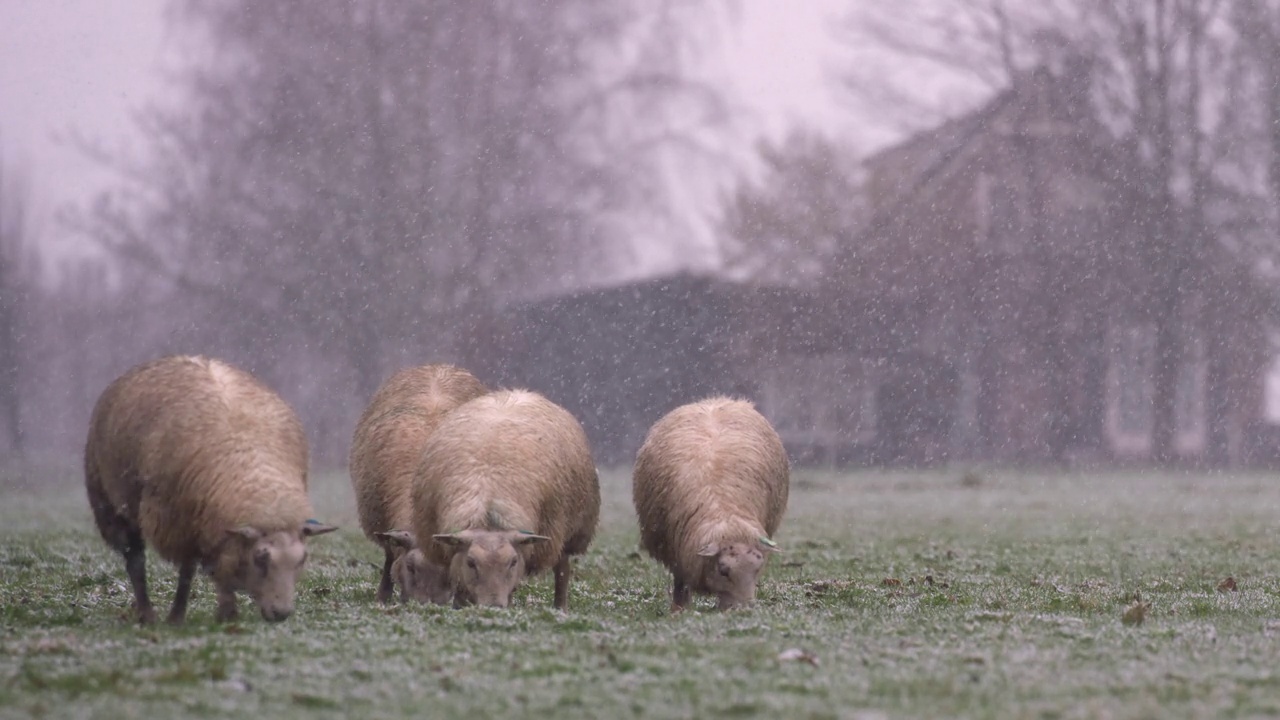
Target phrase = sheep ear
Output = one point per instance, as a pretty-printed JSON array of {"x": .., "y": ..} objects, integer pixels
[
  {"x": 528, "y": 538},
  {"x": 314, "y": 527},
  {"x": 453, "y": 540},
  {"x": 709, "y": 550},
  {"x": 396, "y": 539},
  {"x": 246, "y": 532},
  {"x": 768, "y": 545}
]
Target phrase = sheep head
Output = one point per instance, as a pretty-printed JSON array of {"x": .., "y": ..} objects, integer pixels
[
  {"x": 487, "y": 565},
  {"x": 418, "y": 578},
  {"x": 732, "y": 570},
  {"x": 265, "y": 565}
]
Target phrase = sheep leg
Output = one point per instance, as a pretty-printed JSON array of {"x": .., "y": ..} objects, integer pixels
[
  {"x": 680, "y": 595},
  {"x": 135, "y": 564},
  {"x": 385, "y": 587},
  {"x": 563, "y": 573},
  {"x": 178, "y": 613},
  {"x": 227, "y": 608}
]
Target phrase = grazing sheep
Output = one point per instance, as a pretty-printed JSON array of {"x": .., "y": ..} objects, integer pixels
[
  {"x": 506, "y": 488},
  {"x": 210, "y": 467},
  {"x": 710, "y": 487},
  {"x": 385, "y": 453}
]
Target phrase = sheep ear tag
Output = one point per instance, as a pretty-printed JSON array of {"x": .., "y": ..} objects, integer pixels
[
  {"x": 769, "y": 545},
  {"x": 315, "y": 527},
  {"x": 525, "y": 537}
]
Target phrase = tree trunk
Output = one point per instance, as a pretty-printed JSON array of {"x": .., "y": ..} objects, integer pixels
[
  {"x": 1217, "y": 404},
  {"x": 1168, "y": 357},
  {"x": 10, "y": 363}
]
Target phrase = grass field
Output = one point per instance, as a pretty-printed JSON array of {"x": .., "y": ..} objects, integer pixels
[{"x": 911, "y": 594}]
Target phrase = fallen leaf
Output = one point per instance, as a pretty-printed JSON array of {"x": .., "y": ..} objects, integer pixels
[
  {"x": 891, "y": 582},
  {"x": 798, "y": 655},
  {"x": 1136, "y": 614},
  {"x": 817, "y": 587}
]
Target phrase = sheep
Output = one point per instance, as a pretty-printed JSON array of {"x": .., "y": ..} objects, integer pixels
[
  {"x": 209, "y": 466},
  {"x": 385, "y": 452},
  {"x": 506, "y": 489},
  {"x": 710, "y": 488}
]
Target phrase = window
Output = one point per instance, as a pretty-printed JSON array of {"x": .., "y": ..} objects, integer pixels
[
  {"x": 1134, "y": 366},
  {"x": 1189, "y": 398},
  {"x": 999, "y": 212},
  {"x": 824, "y": 399}
]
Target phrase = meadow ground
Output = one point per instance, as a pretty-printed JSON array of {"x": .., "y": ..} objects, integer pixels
[{"x": 910, "y": 594}]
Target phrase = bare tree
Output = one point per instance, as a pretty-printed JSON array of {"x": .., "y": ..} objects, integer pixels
[
  {"x": 786, "y": 227},
  {"x": 918, "y": 63},
  {"x": 17, "y": 282},
  {"x": 369, "y": 179}
]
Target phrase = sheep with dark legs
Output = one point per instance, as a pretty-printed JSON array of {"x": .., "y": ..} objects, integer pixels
[
  {"x": 209, "y": 467},
  {"x": 710, "y": 488},
  {"x": 506, "y": 489},
  {"x": 385, "y": 453}
]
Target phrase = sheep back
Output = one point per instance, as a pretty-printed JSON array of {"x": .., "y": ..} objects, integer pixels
[
  {"x": 185, "y": 448},
  {"x": 510, "y": 460},
  {"x": 390, "y": 436}
]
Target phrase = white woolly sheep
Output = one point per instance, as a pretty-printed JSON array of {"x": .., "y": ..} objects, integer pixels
[
  {"x": 385, "y": 453},
  {"x": 506, "y": 488},
  {"x": 710, "y": 488},
  {"x": 207, "y": 465}
]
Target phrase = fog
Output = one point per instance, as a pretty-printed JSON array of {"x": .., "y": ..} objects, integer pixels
[{"x": 951, "y": 233}]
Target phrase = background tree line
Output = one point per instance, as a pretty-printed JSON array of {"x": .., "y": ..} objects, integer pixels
[{"x": 341, "y": 187}]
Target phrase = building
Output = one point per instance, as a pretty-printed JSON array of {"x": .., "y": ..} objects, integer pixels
[{"x": 1001, "y": 304}]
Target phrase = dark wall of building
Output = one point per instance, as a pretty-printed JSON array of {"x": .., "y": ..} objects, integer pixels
[{"x": 620, "y": 358}]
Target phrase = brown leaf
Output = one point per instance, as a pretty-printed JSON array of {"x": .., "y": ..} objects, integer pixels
[
  {"x": 1136, "y": 614},
  {"x": 891, "y": 582},
  {"x": 799, "y": 655},
  {"x": 818, "y": 587},
  {"x": 1228, "y": 585}
]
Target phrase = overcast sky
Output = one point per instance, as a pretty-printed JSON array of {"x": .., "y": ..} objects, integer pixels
[{"x": 83, "y": 66}]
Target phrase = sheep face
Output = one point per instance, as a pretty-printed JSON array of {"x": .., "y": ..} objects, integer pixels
[
  {"x": 731, "y": 571},
  {"x": 487, "y": 565},
  {"x": 418, "y": 578},
  {"x": 266, "y": 566}
]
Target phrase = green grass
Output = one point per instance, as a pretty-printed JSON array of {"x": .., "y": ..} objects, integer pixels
[{"x": 918, "y": 594}]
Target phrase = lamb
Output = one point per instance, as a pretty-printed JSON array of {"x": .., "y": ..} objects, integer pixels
[
  {"x": 385, "y": 453},
  {"x": 710, "y": 488},
  {"x": 205, "y": 463},
  {"x": 506, "y": 489}
]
